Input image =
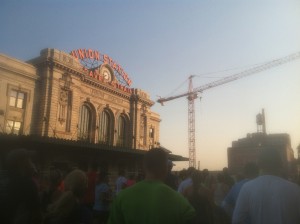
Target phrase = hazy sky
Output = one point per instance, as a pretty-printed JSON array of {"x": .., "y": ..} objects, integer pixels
[{"x": 161, "y": 43}]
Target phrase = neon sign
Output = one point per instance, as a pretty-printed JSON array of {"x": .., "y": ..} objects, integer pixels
[{"x": 90, "y": 59}]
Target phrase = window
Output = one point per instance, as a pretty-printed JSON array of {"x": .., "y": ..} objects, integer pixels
[
  {"x": 143, "y": 130},
  {"x": 65, "y": 108},
  {"x": 13, "y": 127},
  {"x": 84, "y": 124},
  {"x": 17, "y": 99},
  {"x": 121, "y": 132},
  {"x": 151, "y": 133},
  {"x": 104, "y": 132}
]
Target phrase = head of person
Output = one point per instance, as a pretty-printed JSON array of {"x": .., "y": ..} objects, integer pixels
[
  {"x": 197, "y": 178},
  {"x": 76, "y": 182},
  {"x": 205, "y": 173},
  {"x": 225, "y": 171},
  {"x": 19, "y": 162},
  {"x": 251, "y": 170},
  {"x": 75, "y": 187},
  {"x": 156, "y": 164},
  {"x": 190, "y": 171},
  {"x": 183, "y": 174},
  {"x": 270, "y": 161}
]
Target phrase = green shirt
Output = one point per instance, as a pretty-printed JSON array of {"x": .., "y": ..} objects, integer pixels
[{"x": 150, "y": 202}]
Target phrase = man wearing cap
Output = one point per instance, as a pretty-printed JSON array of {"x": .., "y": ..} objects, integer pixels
[{"x": 151, "y": 201}]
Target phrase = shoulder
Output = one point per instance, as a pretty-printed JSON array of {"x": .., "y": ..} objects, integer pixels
[{"x": 290, "y": 186}]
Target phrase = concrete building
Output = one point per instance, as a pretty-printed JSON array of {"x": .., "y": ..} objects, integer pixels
[
  {"x": 247, "y": 150},
  {"x": 17, "y": 93}
]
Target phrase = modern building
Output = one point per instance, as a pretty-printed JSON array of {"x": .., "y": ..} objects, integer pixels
[
  {"x": 247, "y": 149},
  {"x": 81, "y": 99}
]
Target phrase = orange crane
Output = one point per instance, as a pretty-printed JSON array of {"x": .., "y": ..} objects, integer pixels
[{"x": 192, "y": 94}]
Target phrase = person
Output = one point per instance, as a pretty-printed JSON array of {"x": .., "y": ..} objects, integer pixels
[
  {"x": 121, "y": 181},
  {"x": 268, "y": 198},
  {"x": 201, "y": 198},
  {"x": 208, "y": 179},
  {"x": 151, "y": 201},
  {"x": 187, "y": 182},
  {"x": 19, "y": 199},
  {"x": 130, "y": 181},
  {"x": 171, "y": 179},
  {"x": 250, "y": 171},
  {"x": 53, "y": 192},
  {"x": 227, "y": 178},
  {"x": 68, "y": 208},
  {"x": 102, "y": 198},
  {"x": 89, "y": 197},
  {"x": 221, "y": 189}
]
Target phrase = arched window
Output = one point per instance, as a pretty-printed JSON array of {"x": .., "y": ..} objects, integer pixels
[
  {"x": 121, "y": 131},
  {"x": 104, "y": 133},
  {"x": 84, "y": 123}
]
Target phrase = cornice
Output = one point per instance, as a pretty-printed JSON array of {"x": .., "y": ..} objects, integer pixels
[
  {"x": 27, "y": 75},
  {"x": 84, "y": 78},
  {"x": 50, "y": 62}
]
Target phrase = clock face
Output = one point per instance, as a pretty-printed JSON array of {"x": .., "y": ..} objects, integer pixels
[{"x": 106, "y": 75}]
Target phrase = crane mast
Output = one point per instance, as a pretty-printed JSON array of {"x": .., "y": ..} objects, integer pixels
[
  {"x": 192, "y": 95},
  {"x": 191, "y": 104}
]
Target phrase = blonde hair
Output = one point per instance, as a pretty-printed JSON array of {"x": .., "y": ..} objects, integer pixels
[
  {"x": 75, "y": 187},
  {"x": 76, "y": 182}
]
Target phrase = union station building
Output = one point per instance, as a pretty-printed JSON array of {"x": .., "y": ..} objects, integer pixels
[{"x": 74, "y": 110}]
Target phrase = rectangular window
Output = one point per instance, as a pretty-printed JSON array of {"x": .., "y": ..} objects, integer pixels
[
  {"x": 13, "y": 127},
  {"x": 151, "y": 133},
  {"x": 13, "y": 98},
  {"x": 16, "y": 99}
]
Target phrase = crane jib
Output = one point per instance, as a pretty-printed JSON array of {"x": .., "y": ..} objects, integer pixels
[{"x": 234, "y": 77}]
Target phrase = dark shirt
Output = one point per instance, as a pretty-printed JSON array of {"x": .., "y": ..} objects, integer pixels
[
  {"x": 172, "y": 181},
  {"x": 19, "y": 201}
]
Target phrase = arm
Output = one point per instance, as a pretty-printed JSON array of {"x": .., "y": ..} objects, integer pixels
[
  {"x": 188, "y": 213},
  {"x": 228, "y": 202},
  {"x": 116, "y": 216}
]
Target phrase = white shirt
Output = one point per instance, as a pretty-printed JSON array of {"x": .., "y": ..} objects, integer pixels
[
  {"x": 184, "y": 184},
  {"x": 268, "y": 200},
  {"x": 119, "y": 183}
]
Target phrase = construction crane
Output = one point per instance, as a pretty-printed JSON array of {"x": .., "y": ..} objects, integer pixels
[{"x": 192, "y": 94}]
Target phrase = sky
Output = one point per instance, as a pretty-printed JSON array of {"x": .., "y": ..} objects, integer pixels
[{"x": 161, "y": 43}]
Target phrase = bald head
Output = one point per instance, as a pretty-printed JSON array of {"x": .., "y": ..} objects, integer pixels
[{"x": 270, "y": 161}]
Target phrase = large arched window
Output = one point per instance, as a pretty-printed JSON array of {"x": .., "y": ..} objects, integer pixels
[
  {"x": 84, "y": 123},
  {"x": 121, "y": 131},
  {"x": 105, "y": 127}
]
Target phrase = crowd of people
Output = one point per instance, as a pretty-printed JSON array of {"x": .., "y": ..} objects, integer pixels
[{"x": 259, "y": 196}]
